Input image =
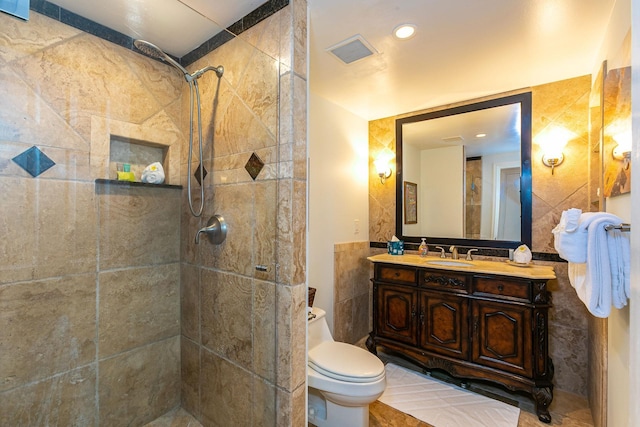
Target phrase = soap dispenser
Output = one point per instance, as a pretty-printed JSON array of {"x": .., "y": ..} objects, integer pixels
[{"x": 423, "y": 249}]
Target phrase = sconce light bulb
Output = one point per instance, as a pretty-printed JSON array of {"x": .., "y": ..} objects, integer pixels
[{"x": 383, "y": 168}]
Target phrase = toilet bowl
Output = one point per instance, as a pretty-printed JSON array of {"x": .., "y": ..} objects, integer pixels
[{"x": 342, "y": 379}]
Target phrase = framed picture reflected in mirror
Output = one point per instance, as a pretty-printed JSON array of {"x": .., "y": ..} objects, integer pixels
[{"x": 410, "y": 202}]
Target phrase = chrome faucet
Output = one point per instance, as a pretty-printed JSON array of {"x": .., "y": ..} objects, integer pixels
[{"x": 454, "y": 252}]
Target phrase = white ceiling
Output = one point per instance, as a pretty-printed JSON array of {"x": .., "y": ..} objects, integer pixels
[
  {"x": 176, "y": 26},
  {"x": 463, "y": 48}
]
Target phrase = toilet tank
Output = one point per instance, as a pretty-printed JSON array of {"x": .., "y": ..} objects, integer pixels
[{"x": 318, "y": 330}]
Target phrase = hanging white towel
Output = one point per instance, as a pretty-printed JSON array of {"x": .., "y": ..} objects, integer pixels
[
  {"x": 602, "y": 279},
  {"x": 619, "y": 257}
]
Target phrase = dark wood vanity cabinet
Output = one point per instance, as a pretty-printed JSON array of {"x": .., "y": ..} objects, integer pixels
[{"x": 471, "y": 325}]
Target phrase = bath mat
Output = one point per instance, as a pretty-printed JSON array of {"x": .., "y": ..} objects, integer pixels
[{"x": 441, "y": 404}]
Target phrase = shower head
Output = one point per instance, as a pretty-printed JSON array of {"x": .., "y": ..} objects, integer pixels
[{"x": 154, "y": 51}]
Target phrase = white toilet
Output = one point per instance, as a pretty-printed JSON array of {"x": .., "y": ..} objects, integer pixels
[{"x": 342, "y": 379}]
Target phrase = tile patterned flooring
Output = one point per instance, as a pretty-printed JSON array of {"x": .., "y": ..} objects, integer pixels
[{"x": 567, "y": 410}]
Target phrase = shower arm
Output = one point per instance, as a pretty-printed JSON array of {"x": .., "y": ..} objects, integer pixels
[{"x": 219, "y": 70}]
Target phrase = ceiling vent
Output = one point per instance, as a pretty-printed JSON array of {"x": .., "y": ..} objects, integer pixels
[
  {"x": 453, "y": 139},
  {"x": 352, "y": 49}
]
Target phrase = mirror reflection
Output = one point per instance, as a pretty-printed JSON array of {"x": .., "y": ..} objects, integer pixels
[{"x": 464, "y": 174}]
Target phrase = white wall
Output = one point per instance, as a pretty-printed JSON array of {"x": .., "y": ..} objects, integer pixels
[
  {"x": 441, "y": 199},
  {"x": 634, "y": 332},
  {"x": 620, "y": 369},
  {"x": 338, "y": 190}
]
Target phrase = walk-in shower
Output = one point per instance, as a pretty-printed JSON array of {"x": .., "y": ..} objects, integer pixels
[{"x": 192, "y": 78}]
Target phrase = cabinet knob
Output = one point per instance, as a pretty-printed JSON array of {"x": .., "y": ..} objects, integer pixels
[
  {"x": 413, "y": 311},
  {"x": 500, "y": 288}
]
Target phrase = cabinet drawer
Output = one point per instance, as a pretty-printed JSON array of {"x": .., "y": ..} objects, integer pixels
[
  {"x": 505, "y": 288},
  {"x": 396, "y": 274},
  {"x": 444, "y": 280}
]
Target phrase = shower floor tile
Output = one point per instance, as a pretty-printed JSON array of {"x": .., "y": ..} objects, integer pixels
[{"x": 176, "y": 418}]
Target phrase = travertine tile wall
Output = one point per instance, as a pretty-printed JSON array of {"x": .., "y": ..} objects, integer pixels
[
  {"x": 90, "y": 294},
  {"x": 351, "y": 291},
  {"x": 565, "y": 103},
  {"x": 243, "y": 330},
  {"x": 89, "y": 274}
]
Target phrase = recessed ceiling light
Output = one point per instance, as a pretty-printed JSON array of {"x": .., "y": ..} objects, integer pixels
[
  {"x": 404, "y": 31},
  {"x": 481, "y": 135}
]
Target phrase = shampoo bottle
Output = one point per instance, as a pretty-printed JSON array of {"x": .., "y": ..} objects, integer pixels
[{"x": 423, "y": 249}]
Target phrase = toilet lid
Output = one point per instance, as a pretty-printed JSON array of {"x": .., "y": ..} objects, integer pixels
[{"x": 345, "y": 362}]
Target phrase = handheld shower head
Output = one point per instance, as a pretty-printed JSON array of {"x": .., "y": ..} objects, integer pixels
[{"x": 154, "y": 51}]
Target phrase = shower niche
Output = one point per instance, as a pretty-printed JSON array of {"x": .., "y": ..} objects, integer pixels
[{"x": 138, "y": 154}]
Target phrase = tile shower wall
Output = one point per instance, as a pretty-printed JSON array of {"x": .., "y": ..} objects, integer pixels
[
  {"x": 89, "y": 274},
  {"x": 565, "y": 103},
  {"x": 243, "y": 330},
  {"x": 68, "y": 270},
  {"x": 351, "y": 291}
]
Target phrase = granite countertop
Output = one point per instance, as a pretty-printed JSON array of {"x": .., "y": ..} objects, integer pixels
[{"x": 507, "y": 268}]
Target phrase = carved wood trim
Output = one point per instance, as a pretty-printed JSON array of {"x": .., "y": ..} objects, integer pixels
[
  {"x": 445, "y": 281},
  {"x": 540, "y": 294}
]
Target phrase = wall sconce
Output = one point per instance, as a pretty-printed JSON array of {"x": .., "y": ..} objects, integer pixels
[
  {"x": 552, "y": 140},
  {"x": 622, "y": 151},
  {"x": 383, "y": 164}
]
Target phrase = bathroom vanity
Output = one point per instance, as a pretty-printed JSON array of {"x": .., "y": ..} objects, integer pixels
[{"x": 483, "y": 320}]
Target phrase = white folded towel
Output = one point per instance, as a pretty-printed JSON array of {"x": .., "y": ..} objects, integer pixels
[
  {"x": 522, "y": 254},
  {"x": 570, "y": 240},
  {"x": 602, "y": 279},
  {"x": 153, "y": 174}
]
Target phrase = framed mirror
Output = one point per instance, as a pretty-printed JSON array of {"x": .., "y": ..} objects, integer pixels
[{"x": 469, "y": 169}]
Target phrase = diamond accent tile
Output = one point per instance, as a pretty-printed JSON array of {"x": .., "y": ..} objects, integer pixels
[
  {"x": 196, "y": 174},
  {"x": 34, "y": 161},
  {"x": 254, "y": 165}
]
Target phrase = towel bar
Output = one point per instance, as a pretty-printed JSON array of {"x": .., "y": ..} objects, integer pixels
[{"x": 621, "y": 227}]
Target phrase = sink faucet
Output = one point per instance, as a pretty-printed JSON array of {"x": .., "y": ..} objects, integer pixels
[
  {"x": 454, "y": 252},
  {"x": 442, "y": 253}
]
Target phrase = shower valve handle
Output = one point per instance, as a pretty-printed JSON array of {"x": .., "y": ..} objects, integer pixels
[{"x": 216, "y": 230}]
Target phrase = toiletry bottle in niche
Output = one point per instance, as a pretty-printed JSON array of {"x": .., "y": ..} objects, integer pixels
[
  {"x": 423, "y": 249},
  {"x": 126, "y": 175}
]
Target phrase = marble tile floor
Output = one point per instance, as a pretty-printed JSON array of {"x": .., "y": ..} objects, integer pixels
[{"x": 567, "y": 409}]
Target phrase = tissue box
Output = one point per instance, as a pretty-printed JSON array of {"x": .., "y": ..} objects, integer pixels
[{"x": 395, "y": 248}]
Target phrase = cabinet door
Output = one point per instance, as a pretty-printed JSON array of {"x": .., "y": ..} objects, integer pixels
[
  {"x": 444, "y": 324},
  {"x": 397, "y": 307},
  {"x": 502, "y": 336}
]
